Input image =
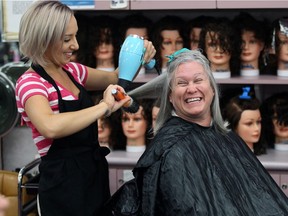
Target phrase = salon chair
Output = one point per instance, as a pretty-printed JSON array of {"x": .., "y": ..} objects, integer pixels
[
  {"x": 29, "y": 187},
  {"x": 8, "y": 188}
]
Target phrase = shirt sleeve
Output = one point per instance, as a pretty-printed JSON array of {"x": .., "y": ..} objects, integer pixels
[
  {"x": 79, "y": 72},
  {"x": 27, "y": 86}
]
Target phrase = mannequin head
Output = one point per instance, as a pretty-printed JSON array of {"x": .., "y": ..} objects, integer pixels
[
  {"x": 279, "y": 45},
  {"x": 135, "y": 24},
  {"x": 253, "y": 41},
  {"x": 104, "y": 45},
  {"x": 283, "y": 47},
  {"x": 167, "y": 36},
  {"x": 104, "y": 131},
  {"x": 218, "y": 42},
  {"x": 251, "y": 49},
  {"x": 137, "y": 126},
  {"x": 109, "y": 128},
  {"x": 194, "y": 29},
  {"x": 105, "y": 49},
  {"x": 274, "y": 111},
  {"x": 243, "y": 117}
]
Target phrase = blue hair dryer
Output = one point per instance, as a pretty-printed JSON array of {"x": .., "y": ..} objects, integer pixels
[{"x": 130, "y": 59}]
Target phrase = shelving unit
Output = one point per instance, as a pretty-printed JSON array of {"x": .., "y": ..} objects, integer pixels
[
  {"x": 229, "y": 4},
  {"x": 261, "y": 80},
  {"x": 170, "y": 4},
  {"x": 193, "y": 4}
]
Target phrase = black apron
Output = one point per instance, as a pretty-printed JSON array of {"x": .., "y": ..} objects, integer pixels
[{"x": 74, "y": 177}]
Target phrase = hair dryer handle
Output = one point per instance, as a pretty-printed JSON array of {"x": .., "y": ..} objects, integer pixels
[{"x": 150, "y": 64}]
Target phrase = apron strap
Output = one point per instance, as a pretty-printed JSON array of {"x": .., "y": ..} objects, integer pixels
[{"x": 41, "y": 71}]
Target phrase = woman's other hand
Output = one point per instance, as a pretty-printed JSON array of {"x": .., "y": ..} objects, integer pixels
[{"x": 150, "y": 51}]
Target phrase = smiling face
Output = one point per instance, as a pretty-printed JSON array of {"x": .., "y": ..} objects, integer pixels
[
  {"x": 65, "y": 47},
  {"x": 249, "y": 126},
  {"x": 191, "y": 93}
]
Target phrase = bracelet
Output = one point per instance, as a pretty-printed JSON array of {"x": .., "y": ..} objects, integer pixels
[{"x": 108, "y": 111}]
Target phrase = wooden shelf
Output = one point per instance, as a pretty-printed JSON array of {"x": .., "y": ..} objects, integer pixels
[
  {"x": 236, "y": 4},
  {"x": 172, "y": 4},
  {"x": 262, "y": 80}
]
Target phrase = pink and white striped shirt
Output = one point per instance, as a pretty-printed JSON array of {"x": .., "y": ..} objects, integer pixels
[{"x": 31, "y": 83}]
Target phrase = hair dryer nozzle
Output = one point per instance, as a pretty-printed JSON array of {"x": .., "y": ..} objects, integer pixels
[{"x": 133, "y": 108}]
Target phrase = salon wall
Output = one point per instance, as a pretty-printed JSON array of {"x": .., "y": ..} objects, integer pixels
[{"x": 17, "y": 146}]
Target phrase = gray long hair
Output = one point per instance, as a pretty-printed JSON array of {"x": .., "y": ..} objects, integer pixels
[{"x": 163, "y": 84}]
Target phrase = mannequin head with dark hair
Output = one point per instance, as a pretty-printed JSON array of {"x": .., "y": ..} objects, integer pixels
[
  {"x": 274, "y": 111},
  {"x": 279, "y": 47},
  {"x": 137, "y": 127},
  {"x": 104, "y": 43},
  {"x": 135, "y": 24},
  {"x": 242, "y": 114},
  {"x": 219, "y": 43},
  {"x": 168, "y": 36},
  {"x": 253, "y": 43},
  {"x": 194, "y": 27}
]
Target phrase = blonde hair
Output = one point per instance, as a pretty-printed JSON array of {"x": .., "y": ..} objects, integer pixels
[{"x": 42, "y": 26}]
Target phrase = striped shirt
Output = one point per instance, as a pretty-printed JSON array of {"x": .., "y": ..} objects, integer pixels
[{"x": 31, "y": 83}]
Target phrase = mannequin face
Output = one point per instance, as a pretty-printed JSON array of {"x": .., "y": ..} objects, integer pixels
[
  {"x": 155, "y": 111},
  {"x": 134, "y": 125},
  {"x": 104, "y": 131},
  {"x": 280, "y": 131},
  {"x": 218, "y": 58},
  {"x": 105, "y": 49},
  {"x": 251, "y": 48},
  {"x": 283, "y": 49},
  {"x": 142, "y": 32},
  {"x": 194, "y": 37},
  {"x": 172, "y": 41},
  {"x": 104, "y": 52},
  {"x": 249, "y": 126}
]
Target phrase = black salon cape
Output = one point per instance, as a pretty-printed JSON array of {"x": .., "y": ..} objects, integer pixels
[{"x": 194, "y": 170}]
